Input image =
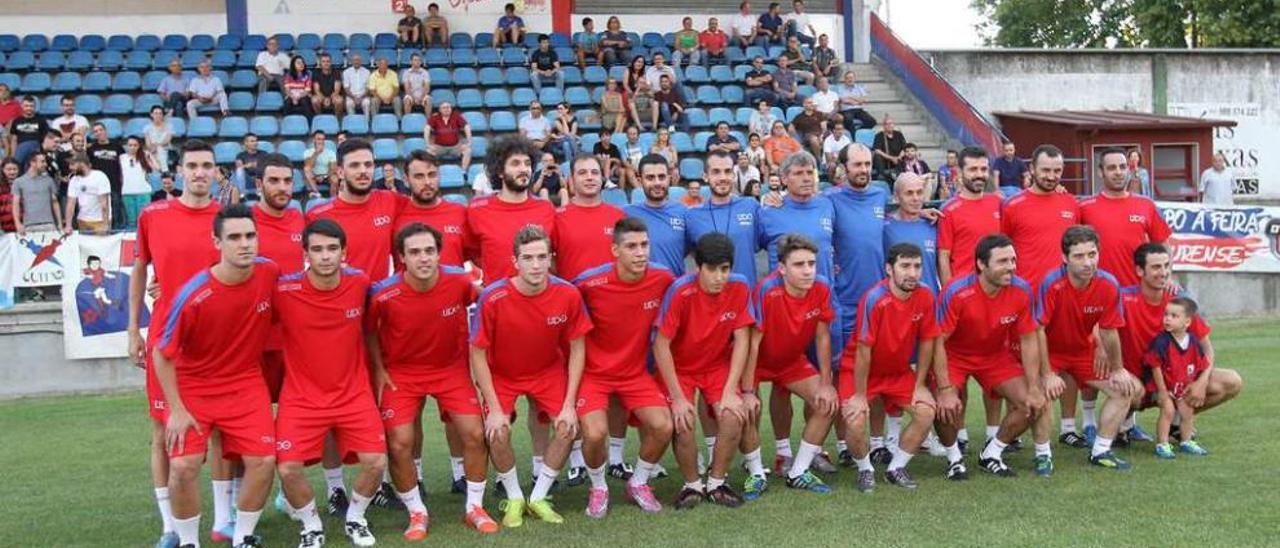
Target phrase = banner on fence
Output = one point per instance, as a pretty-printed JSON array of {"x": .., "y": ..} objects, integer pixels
[
  {"x": 7, "y": 252},
  {"x": 1223, "y": 239},
  {"x": 95, "y": 296}
]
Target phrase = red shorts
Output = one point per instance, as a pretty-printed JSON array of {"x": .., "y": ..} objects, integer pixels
[
  {"x": 242, "y": 416},
  {"x": 844, "y": 391},
  {"x": 451, "y": 387},
  {"x": 547, "y": 393},
  {"x": 786, "y": 374},
  {"x": 895, "y": 391},
  {"x": 634, "y": 393},
  {"x": 1080, "y": 370},
  {"x": 989, "y": 374},
  {"x": 709, "y": 382},
  {"x": 273, "y": 372},
  {"x": 301, "y": 429}
]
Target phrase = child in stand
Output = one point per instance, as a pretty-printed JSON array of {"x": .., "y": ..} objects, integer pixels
[{"x": 1176, "y": 369}]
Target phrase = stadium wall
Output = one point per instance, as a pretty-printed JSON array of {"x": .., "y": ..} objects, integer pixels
[{"x": 108, "y": 17}]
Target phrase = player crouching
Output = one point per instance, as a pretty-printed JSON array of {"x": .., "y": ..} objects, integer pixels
[{"x": 1177, "y": 374}]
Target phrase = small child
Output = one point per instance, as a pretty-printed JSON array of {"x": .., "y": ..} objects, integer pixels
[{"x": 1175, "y": 363}]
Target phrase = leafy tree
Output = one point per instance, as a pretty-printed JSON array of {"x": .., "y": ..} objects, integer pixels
[{"x": 1130, "y": 23}]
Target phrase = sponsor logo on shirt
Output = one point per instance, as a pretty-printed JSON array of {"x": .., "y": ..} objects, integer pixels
[
  {"x": 388, "y": 414},
  {"x": 295, "y": 237},
  {"x": 728, "y": 317},
  {"x": 1093, "y": 310},
  {"x": 269, "y": 440},
  {"x": 826, "y": 224},
  {"x": 452, "y": 229},
  {"x": 811, "y": 314},
  {"x": 381, "y": 220},
  {"x": 651, "y": 305},
  {"x": 746, "y": 219},
  {"x": 557, "y": 320},
  {"x": 262, "y": 306},
  {"x": 353, "y": 313},
  {"x": 878, "y": 211},
  {"x": 608, "y": 231},
  {"x": 1006, "y": 320},
  {"x": 202, "y": 295},
  {"x": 596, "y": 282},
  {"x": 677, "y": 223},
  {"x": 449, "y": 311},
  {"x": 1138, "y": 219},
  {"x": 917, "y": 317},
  {"x": 390, "y": 294},
  {"x": 1067, "y": 214},
  {"x": 284, "y": 445}
]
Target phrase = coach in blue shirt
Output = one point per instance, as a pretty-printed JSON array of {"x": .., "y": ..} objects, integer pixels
[
  {"x": 665, "y": 219},
  {"x": 727, "y": 214}
]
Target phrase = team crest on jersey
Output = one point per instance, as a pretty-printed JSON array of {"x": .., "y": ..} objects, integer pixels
[
  {"x": 353, "y": 313},
  {"x": 557, "y": 320},
  {"x": 651, "y": 305},
  {"x": 580, "y": 403},
  {"x": 930, "y": 245},
  {"x": 449, "y": 311},
  {"x": 1006, "y": 320},
  {"x": 388, "y": 414},
  {"x": 381, "y": 220},
  {"x": 608, "y": 231},
  {"x": 1067, "y": 214}
]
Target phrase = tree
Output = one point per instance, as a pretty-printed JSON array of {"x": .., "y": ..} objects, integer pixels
[{"x": 1130, "y": 23}]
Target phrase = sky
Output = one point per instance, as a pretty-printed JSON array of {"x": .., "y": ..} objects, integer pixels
[{"x": 933, "y": 24}]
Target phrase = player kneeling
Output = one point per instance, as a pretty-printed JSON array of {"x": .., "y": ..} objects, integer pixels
[
  {"x": 895, "y": 319},
  {"x": 793, "y": 308}
]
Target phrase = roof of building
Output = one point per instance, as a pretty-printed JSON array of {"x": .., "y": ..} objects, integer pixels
[{"x": 1113, "y": 119}]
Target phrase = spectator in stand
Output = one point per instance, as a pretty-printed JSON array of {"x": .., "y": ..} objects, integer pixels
[
  {"x": 435, "y": 28},
  {"x": 1008, "y": 171},
  {"x": 798, "y": 61},
  {"x": 853, "y": 100},
  {"x": 271, "y": 65},
  {"x": 949, "y": 176},
  {"x": 389, "y": 180},
  {"x": 9, "y": 172},
  {"x": 409, "y": 29},
  {"x": 417, "y": 86},
  {"x": 1217, "y": 183},
  {"x": 644, "y": 106},
  {"x": 888, "y": 146},
  {"x": 827, "y": 101},
  {"x": 769, "y": 28},
  {"x": 205, "y": 91},
  {"x": 825, "y": 63},
  {"x": 25, "y": 133},
  {"x": 104, "y": 156},
  {"x": 69, "y": 123},
  {"x": 341, "y": 137},
  {"x": 327, "y": 92},
  {"x": 912, "y": 163},
  {"x": 743, "y": 26},
  {"x": 77, "y": 144},
  {"x": 35, "y": 199},
  {"x": 693, "y": 194},
  {"x": 317, "y": 164},
  {"x": 752, "y": 190},
  {"x": 615, "y": 43},
  {"x": 134, "y": 167},
  {"x": 723, "y": 141},
  {"x": 548, "y": 181},
  {"x": 662, "y": 147},
  {"x": 246, "y": 171},
  {"x": 615, "y": 170},
  {"x": 384, "y": 88},
  {"x": 797, "y": 24},
  {"x": 297, "y": 89},
  {"x": 1139, "y": 177},
  {"x": 713, "y": 42},
  {"x": 159, "y": 136},
  {"x": 759, "y": 84},
  {"x": 784, "y": 84},
  {"x": 564, "y": 133},
  {"x": 510, "y": 27},
  {"x": 634, "y": 74},
  {"x": 809, "y": 126},
  {"x": 686, "y": 44},
  {"x": 671, "y": 104},
  {"x": 173, "y": 89},
  {"x": 779, "y": 145},
  {"x": 613, "y": 107},
  {"x": 10, "y": 108},
  {"x": 448, "y": 135},
  {"x": 355, "y": 84},
  {"x": 534, "y": 126},
  {"x": 744, "y": 172},
  {"x": 835, "y": 142},
  {"x": 756, "y": 152},
  {"x": 657, "y": 70},
  {"x": 632, "y": 153},
  {"x": 544, "y": 66},
  {"x": 88, "y": 197},
  {"x": 168, "y": 190},
  {"x": 586, "y": 44}
]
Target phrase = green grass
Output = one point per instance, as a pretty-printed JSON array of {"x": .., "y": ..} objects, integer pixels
[{"x": 75, "y": 474}]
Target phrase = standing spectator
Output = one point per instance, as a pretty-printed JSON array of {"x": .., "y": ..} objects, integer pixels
[
  {"x": 1139, "y": 177},
  {"x": 409, "y": 29},
  {"x": 271, "y": 65},
  {"x": 615, "y": 43},
  {"x": 825, "y": 63},
  {"x": 797, "y": 60},
  {"x": 206, "y": 91},
  {"x": 615, "y": 171},
  {"x": 35, "y": 200},
  {"x": 544, "y": 66},
  {"x": 246, "y": 171},
  {"x": 448, "y": 135},
  {"x": 564, "y": 132},
  {"x": 317, "y": 164},
  {"x": 435, "y": 28},
  {"x": 809, "y": 126},
  {"x": 743, "y": 26},
  {"x": 10, "y": 108},
  {"x": 634, "y": 75},
  {"x": 686, "y": 44},
  {"x": 54, "y": 163},
  {"x": 25, "y": 132},
  {"x": 327, "y": 94},
  {"x": 297, "y": 89},
  {"x": 769, "y": 26},
  {"x": 104, "y": 156},
  {"x": 587, "y": 44},
  {"x": 713, "y": 42},
  {"x": 662, "y": 147},
  {"x": 168, "y": 190},
  {"x": 1009, "y": 171},
  {"x": 744, "y": 172},
  {"x": 355, "y": 84},
  {"x": 888, "y": 146},
  {"x": 88, "y": 197},
  {"x": 173, "y": 89},
  {"x": 798, "y": 25},
  {"x": 159, "y": 137},
  {"x": 510, "y": 27},
  {"x": 759, "y": 84},
  {"x": 853, "y": 100},
  {"x": 949, "y": 175},
  {"x": 548, "y": 181},
  {"x": 134, "y": 167},
  {"x": 784, "y": 84},
  {"x": 613, "y": 108},
  {"x": 835, "y": 142},
  {"x": 384, "y": 88},
  {"x": 417, "y": 86},
  {"x": 671, "y": 105},
  {"x": 389, "y": 180},
  {"x": 827, "y": 101},
  {"x": 534, "y": 126},
  {"x": 723, "y": 141},
  {"x": 779, "y": 145},
  {"x": 644, "y": 106},
  {"x": 1217, "y": 184},
  {"x": 77, "y": 144},
  {"x": 69, "y": 123},
  {"x": 9, "y": 172}
]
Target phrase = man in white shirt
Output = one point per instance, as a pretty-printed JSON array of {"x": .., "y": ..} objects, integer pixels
[
  {"x": 89, "y": 191},
  {"x": 355, "y": 84},
  {"x": 416, "y": 82},
  {"x": 798, "y": 25},
  {"x": 742, "y": 27},
  {"x": 206, "y": 90},
  {"x": 271, "y": 65},
  {"x": 534, "y": 126},
  {"x": 831, "y": 147},
  {"x": 1217, "y": 183},
  {"x": 70, "y": 122},
  {"x": 826, "y": 100},
  {"x": 744, "y": 172}
]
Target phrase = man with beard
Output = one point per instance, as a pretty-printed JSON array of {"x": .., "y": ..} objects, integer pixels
[
  {"x": 665, "y": 219},
  {"x": 279, "y": 239},
  {"x": 584, "y": 226},
  {"x": 493, "y": 221},
  {"x": 733, "y": 216},
  {"x": 427, "y": 206},
  {"x": 105, "y": 155}
]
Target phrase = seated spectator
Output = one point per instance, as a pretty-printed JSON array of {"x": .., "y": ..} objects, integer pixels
[
  {"x": 206, "y": 91},
  {"x": 448, "y": 135},
  {"x": 779, "y": 145},
  {"x": 168, "y": 190},
  {"x": 743, "y": 26},
  {"x": 756, "y": 153},
  {"x": 797, "y": 24},
  {"x": 613, "y": 109},
  {"x": 693, "y": 195},
  {"x": 173, "y": 89},
  {"x": 384, "y": 88},
  {"x": 835, "y": 142},
  {"x": 1008, "y": 171},
  {"x": 297, "y": 89},
  {"x": 547, "y": 180},
  {"x": 798, "y": 61},
  {"x": 71, "y": 123},
  {"x": 657, "y": 70},
  {"x": 409, "y": 29},
  {"x": 389, "y": 181},
  {"x": 534, "y": 126},
  {"x": 341, "y": 137},
  {"x": 327, "y": 93},
  {"x": 134, "y": 188},
  {"x": 564, "y": 132},
  {"x": 634, "y": 74},
  {"x": 10, "y": 108},
  {"x": 723, "y": 141},
  {"x": 752, "y": 190},
  {"x": 912, "y": 163},
  {"x": 686, "y": 46},
  {"x": 435, "y": 28},
  {"x": 853, "y": 100},
  {"x": 713, "y": 42},
  {"x": 271, "y": 65},
  {"x": 632, "y": 153},
  {"x": 615, "y": 171},
  {"x": 644, "y": 107},
  {"x": 825, "y": 63},
  {"x": 949, "y": 176},
  {"x": 662, "y": 147},
  {"x": 773, "y": 186},
  {"x": 587, "y": 45},
  {"x": 355, "y": 85},
  {"x": 809, "y": 126},
  {"x": 827, "y": 101},
  {"x": 246, "y": 171},
  {"x": 510, "y": 27},
  {"x": 159, "y": 138},
  {"x": 671, "y": 105},
  {"x": 25, "y": 133},
  {"x": 317, "y": 164},
  {"x": 544, "y": 66},
  {"x": 759, "y": 84},
  {"x": 769, "y": 28},
  {"x": 417, "y": 86},
  {"x": 480, "y": 185},
  {"x": 615, "y": 43},
  {"x": 784, "y": 85},
  {"x": 744, "y": 172},
  {"x": 887, "y": 147}
]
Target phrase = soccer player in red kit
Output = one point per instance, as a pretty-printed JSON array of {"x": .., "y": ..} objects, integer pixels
[
  {"x": 520, "y": 331},
  {"x": 1123, "y": 220},
  {"x": 896, "y": 323},
  {"x": 701, "y": 346},
  {"x": 366, "y": 215},
  {"x": 584, "y": 226},
  {"x": 175, "y": 238},
  {"x": 794, "y": 308},
  {"x": 326, "y": 382},
  {"x": 207, "y": 362},
  {"x": 426, "y": 206},
  {"x": 1072, "y": 304},
  {"x": 279, "y": 239},
  {"x": 493, "y": 221},
  {"x": 979, "y": 315},
  {"x": 416, "y": 334},
  {"x": 621, "y": 295}
]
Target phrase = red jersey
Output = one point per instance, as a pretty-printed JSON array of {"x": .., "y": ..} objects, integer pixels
[
  {"x": 1123, "y": 224},
  {"x": 979, "y": 327},
  {"x": 447, "y": 217},
  {"x": 493, "y": 224},
  {"x": 584, "y": 237},
  {"x": 178, "y": 242},
  {"x": 1179, "y": 366},
  {"x": 422, "y": 331},
  {"x": 1036, "y": 223},
  {"x": 524, "y": 336},
  {"x": 280, "y": 238},
  {"x": 324, "y": 351},
  {"x": 893, "y": 328},
  {"x": 623, "y": 314},
  {"x": 789, "y": 323},
  {"x": 368, "y": 227},
  {"x": 700, "y": 325},
  {"x": 1069, "y": 314},
  {"x": 964, "y": 222},
  {"x": 1143, "y": 320},
  {"x": 215, "y": 333}
]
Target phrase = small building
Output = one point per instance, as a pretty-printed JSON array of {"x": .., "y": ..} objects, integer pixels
[{"x": 1174, "y": 149}]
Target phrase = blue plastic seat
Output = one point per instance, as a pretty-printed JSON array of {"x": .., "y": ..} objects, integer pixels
[
  {"x": 110, "y": 60},
  {"x": 222, "y": 59},
  {"x": 225, "y": 152},
  {"x": 411, "y": 144},
  {"x": 465, "y": 76},
  {"x": 513, "y": 57},
  {"x": 577, "y": 96},
  {"x": 327, "y": 123},
  {"x": 21, "y": 61},
  {"x": 146, "y": 42},
  {"x": 295, "y": 151},
  {"x": 494, "y": 98},
  {"x": 113, "y": 127},
  {"x": 709, "y": 95},
  {"x": 434, "y": 57},
  {"x": 174, "y": 42},
  {"x": 549, "y": 97},
  {"x": 240, "y": 101},
  {"x": 36, "y": 82},
  {"x": 79, "y": 60},
  {"x": 697, "y": 118},
  {"x": 653, "y": 40},
  {"x": 247, "y": 59},
  {"x": 696, "y": 74},
  {"x": 572, "y": 75},
  {"x": 385, "y": 40},
  {"x": 473, "y": 173},
  {"x": 335, "y": 40},
  {"x": 151, "y": 79},
  {"x": 190, "y": 59},
  {"x": 355, "y": 123},
  {"x": 595, "y": 75},
  {"x": 12, "y": 80},
  {"x": 440, "y": 77},
  {"x": 230, "y": 42},
  {"x": 518, "y": 76},
  {"x": 233, "y": 127},
  {"x": 460, "y": 40},
  {"x": 10, "y": 42},
  {"x": 50, "y": 106},
  {"x": 484, "y": 40},
  {"x": 733, "y": 95},
  {"x": 523, "y": 96},
  {"x": 284, "y": 39},
  {"x": 490, "y": 76},
  {"x": 805, "y": 91},
  {"x": 720, "y": 114},
  {"x": 865, "y": 136},
  {"x": 265, "y": 127},
  {"x": 35, "y": 43},
  {"x": 700, "y": 139},
  {"x": 451, "y": 177},
  {"x": 792, "y": 112},
  {"x": 460, "y": 199},
  {"x": 64, "y": 82},
  {"x": 390, "y": 55},
  {"x": 137, "y": 60},
  {"x": 691, "y": 168},
  {"x": 412, "y": 123},
  {"x": 385, "y": 124},
  {"x": 360, "y": 40},
  {"x": 243, "y": 79},
  {"x": 293, "y": 125},
  {"x": 501, "y": 121},
  {"x": 88, "y": 105},
  {"x": 201, "y": 42},
  {"x": 465, "y": 57},
  {"x": 63, "y": 42},
  {"x": 440, "y": 95},
  {"x": 308, "y": 41},
  {"x": 565, "y": 55},
  {"x": 680, "y": 140},
  {"x": 271, "y": 101},
  {"x": 742, "y": 116},
  {"x": 134, "y": 127},
  {"x": 385, "y": 149},
  {"x": 488, "y": 57},
  {"x": 119, "y": 42},
  {"x": 201, "y": 127},
  {"x": 467, "y": 98},
  {"x": 95, "y": 82},
  {"x": 51, "y": 61},
  {"x": 720, "y": 74},
  {"x": 477, "y": 120},
  {"x": 117, "y": 104}
]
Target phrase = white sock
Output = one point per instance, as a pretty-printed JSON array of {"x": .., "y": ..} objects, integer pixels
[
  {"x": 994, "y": 449},
  {"x": 235, "y": 495},
  {"x": 543, "y": 484},
  {"x": 511, "y": 483},
  {"x": 714, "y": 483},
  {"x": 386, "y": 475},
  {"x": 877, "y": 442},
  {"x": 616, "y": 447},
  {"x": 221, "y": 503},
  {"x": 803, "y": 459},
  {"x": 755, "y": 466},
  {"x": 697, "y": 485},
  {"x": 412, "y": 501},
  {"x": 842, "y": 446},
  {"x": 308, "y": 516},
  {"x": 1043, "y": 450},
  {"x": 333, "y": 478},
  {"x": 1177, "y": 419},
  {"x": 597, "y": 478},
  {"x": 475, "y": 495},
  {"x": 1101, "y": 445},
  {"x": 166, "y": 511},
  {"x": 711, "y": 448},
  {"x": 246, "y": 522},
  {"x": 1089, "y": 412},
  {"x": 1129, "y": 422},
  {"x": 992, "y": 431},
  {"x": 188, "y": 530},
  {"x": 864, "y": 463},
  {"x": 893, "y": 429},
  {"x": 1068, "y": 425},
  {"x": 962, "y": 435},
  {"x": 640, "y": 476},
  {"x": 900, "y": 458},
  {"x": 359, "y": 503},
  {"x": 455, "y": 465},
  {"x": 782, "y": 447},
  {"x": 417, "y": 468},
  {"x": 575, "y": 456},
  {"x": 953, "y": 453},
  {"x": 536, "y": 467}
]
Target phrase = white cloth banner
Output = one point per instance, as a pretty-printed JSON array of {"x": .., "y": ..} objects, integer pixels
[
  {"x": 39, "y": 259},
  {"x": 95, "y": 296},
  {"x": 8, "y": 245}
]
